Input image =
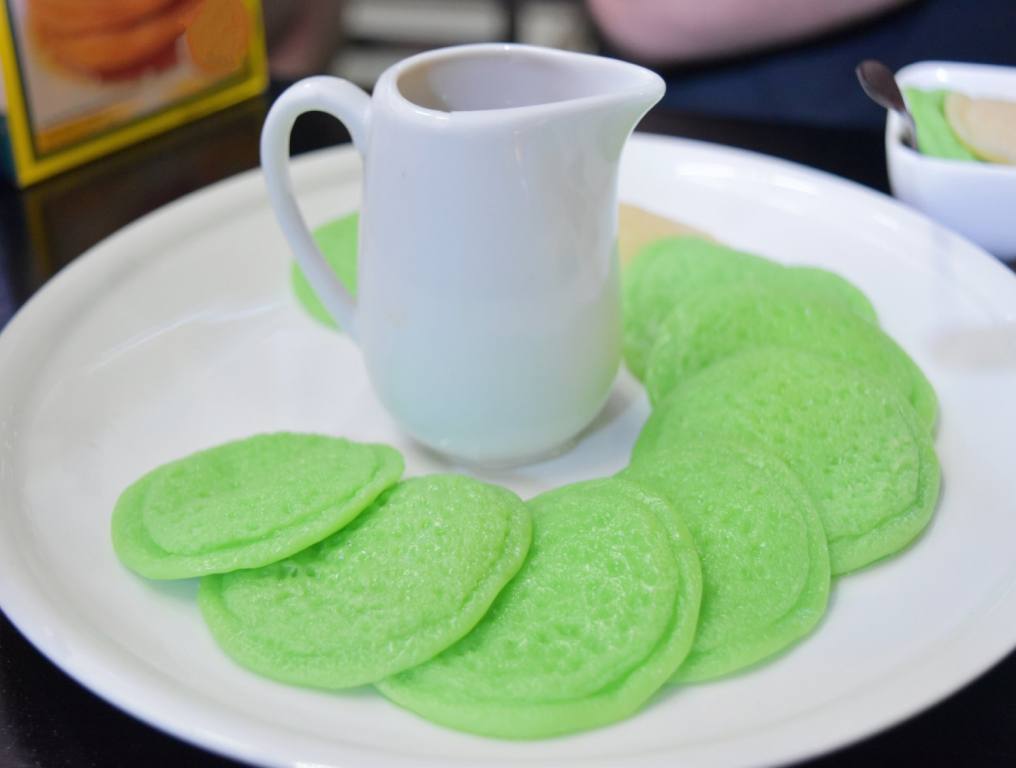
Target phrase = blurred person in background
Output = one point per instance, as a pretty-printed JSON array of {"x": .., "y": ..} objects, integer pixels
[
  {"x": 769, "y": 60},
  {"x": 793, "y": 60}
]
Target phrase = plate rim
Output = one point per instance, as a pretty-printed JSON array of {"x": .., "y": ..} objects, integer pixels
[{"x": 319, "y": 168}]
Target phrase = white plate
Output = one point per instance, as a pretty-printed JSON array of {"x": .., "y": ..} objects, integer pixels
[{"x": 180, "y": 332}]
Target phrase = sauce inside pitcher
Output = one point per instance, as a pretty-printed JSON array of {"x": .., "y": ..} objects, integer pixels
[{"x": 508, "y": 77}]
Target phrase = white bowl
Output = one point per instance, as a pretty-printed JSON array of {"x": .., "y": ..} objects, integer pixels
[{"x": 978, "y": 200}]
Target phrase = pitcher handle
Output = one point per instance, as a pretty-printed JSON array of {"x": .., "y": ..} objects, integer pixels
[{"x": 349, "y": 105}]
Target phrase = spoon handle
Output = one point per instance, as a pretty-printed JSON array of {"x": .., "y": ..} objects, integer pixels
[{"x": 879, "y": 83}]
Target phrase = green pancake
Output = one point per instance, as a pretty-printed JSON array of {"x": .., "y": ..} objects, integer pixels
[
  {"x": 338, "y": 243},
  {"x": 727, "y": 320},
  {"x": 670, "y": 272},
  {"x": 666, "y": 272},
  {"x": 598, "y": 619},
  {"x": 405, "y": 580},
  {"x": 765, "y": 561},
  {"x": 247, "y": 503},
  {"x": 935, "y": 137},
  {"x": 856, "y": 444},
  {"x": 828, "y": 286}
]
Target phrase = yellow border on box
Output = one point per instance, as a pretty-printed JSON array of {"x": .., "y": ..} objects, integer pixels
[{"x": 28, "y": 168}]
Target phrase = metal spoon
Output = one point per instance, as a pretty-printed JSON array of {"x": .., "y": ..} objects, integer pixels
[{"x": 878, "y": 82}]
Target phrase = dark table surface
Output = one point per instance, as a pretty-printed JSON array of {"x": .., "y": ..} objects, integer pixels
[{"x": 46, "y": 719}]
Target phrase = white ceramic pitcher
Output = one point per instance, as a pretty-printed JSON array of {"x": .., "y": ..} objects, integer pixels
[{"x": 489, "y": 304}]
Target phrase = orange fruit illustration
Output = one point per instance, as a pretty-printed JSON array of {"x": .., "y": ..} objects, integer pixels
[
  {"x": 110, "y": 39},
  {"x": 219, "y": 36}
]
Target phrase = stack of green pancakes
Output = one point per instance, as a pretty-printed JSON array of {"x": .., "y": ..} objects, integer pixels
[
  {"x": 790, "y": 442},
  {"x": 790, "y": 362}
]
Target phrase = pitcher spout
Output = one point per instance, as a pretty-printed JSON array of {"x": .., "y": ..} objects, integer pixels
[
  {"x": 624, "y": 94},
  {"x": 622, "y": 86}
]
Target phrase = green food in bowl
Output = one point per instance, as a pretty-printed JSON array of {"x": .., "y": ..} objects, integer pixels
[{"x": 935, "y": 136}]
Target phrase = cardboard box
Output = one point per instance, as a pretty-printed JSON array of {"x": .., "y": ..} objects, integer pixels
[{"x": 82, "y": 78}]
